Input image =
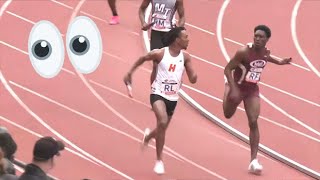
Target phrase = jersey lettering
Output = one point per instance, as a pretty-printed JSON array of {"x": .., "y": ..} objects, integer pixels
[
  {"x": 169, "y": 88},
  {"x": 253, "y": 76},
  {"x": 159, "y": 23},
  {"x": 159, "y": 7},
  {"x": 255, "y": 71},
  {"x": 160, "y": 15},
  {"x": 172, "y": 67}
]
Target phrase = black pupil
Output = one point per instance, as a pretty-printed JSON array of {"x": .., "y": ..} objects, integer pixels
[
  {"x": 41, "y": 51},
  {"x": 79, "y": 46}
]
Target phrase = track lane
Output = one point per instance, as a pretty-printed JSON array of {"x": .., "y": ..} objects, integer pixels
[
  {"x": 306, "y": 30},
  {"x": 145, "y": 77},
  {"x": 25, "y": 142}
]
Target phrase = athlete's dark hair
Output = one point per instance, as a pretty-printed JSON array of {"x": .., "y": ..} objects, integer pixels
[
  {"x": 171, "y": 36},
  {"x": 264, "y": 28}
]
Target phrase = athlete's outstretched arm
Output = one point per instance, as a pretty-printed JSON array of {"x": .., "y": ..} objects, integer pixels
[
  {"x": 180, "y": 10},
  {"x": 192, "y": 75},
  {"x": 279, "y": 62},
  {"x": 152, "y": 55},
  {"x": 233, "y": 63}
]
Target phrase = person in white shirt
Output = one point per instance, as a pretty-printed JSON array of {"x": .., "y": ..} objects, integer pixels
[
  {"x": 162, "y": 19},
  {"x": 171, "y": 61}
]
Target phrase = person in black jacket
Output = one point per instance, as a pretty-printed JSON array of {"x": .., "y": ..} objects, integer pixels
[
  {"x": 44, "y": 152},
  {"x": 9, "y": 148},
  {"x": 4, "y": 175}
]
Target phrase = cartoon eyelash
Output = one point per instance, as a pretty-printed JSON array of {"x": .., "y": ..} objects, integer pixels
[
  {"x": 84, "y": 44},
  {"x": 46, "y": 50}
]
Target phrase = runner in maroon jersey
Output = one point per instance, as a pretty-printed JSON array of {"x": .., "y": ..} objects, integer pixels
[{"x": 248, "y": 64}]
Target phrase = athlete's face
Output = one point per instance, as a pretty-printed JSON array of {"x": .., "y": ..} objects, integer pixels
[
  {"x": 260, "y": 39},
  {"x": 183, "y": 40}
]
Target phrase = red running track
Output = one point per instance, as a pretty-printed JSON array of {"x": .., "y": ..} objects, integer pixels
[{"x": 102, "y": 126}]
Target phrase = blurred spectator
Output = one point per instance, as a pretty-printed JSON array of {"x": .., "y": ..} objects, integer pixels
[
  {"x": 44, "y": 152},
  {"x": 3, "y": 166},
  {"x": 9, "y": 148}
]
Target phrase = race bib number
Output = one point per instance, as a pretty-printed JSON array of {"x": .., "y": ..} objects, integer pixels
[
  {"x": 169, "y": 88},
  {"x": 255, "y": 71},
  {"x": 253, "y": 76}
]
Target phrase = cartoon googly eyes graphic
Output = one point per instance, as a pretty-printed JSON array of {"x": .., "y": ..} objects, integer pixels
[
  {"x": 45, "y": 47},
  {"x": 84, "y": 44}
]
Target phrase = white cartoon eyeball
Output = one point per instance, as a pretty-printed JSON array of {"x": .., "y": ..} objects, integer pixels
[
  {"x": 46, "y": 50},
  {"x": 84, "y": 44}
]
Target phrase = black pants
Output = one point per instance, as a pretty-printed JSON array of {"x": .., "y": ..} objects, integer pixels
[
  {"x": 170, "y": 105},
  {"x": 156, "y": 39}
]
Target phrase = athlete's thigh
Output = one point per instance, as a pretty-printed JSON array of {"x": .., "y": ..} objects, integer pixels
[
  {"x": 171, "y": 106},
  {"x": 252, "y": 106},
  {"x": 159, "y": 108}
]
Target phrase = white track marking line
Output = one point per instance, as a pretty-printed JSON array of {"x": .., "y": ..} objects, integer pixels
[
  {"x": 40, "y": 136},
  {"x": 295, "y": 37},
  {"x": 4, "y": 7}
]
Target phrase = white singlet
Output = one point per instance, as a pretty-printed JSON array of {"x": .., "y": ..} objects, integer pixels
[{"x": 168, "y": 80}]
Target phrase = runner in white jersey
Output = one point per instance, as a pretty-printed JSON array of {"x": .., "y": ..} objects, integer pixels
[
  {"x": 168, "y": 78},
  {"x": 161, "y": 21},
  {"x": 171, "y": 61}
]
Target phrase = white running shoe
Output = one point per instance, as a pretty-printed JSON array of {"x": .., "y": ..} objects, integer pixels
[
  {"x": 255, "y": 167},
  {"x": 146, "y": 133},
  {"x": 129, "y": 90},
  {"x": 159, "y": 167}
]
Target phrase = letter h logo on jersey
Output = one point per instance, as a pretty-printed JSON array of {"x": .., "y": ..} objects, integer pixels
[{"x": 172, "y": 67}]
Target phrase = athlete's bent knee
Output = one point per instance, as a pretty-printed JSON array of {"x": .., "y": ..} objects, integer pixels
[
  {"x": 227, "y": 115},
  {"x": 162, "y": 124},
  {"x": 228, "y": 111},
  {"x": 253, "y": 125}
]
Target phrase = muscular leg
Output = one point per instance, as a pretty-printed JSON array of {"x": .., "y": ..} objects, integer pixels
[
  {"x": 112, "y": 4},
  {"x": 252, "y": 107},
  {"x": 153, "y": 133},
  {"x": 229, "y": 107},
  {"x": 158, "y": 133}
]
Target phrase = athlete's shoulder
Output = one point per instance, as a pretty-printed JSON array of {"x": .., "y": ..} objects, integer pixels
[
  {"x": 243, "y": 50},
  {"x": 186, "y": 55},
  {"x": 155, "y": 51},
  {"x": 241, "y": 54},
  {"x": 157, "y": 54}
]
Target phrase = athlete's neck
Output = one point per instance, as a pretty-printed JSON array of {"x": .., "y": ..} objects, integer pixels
[
  {"x": 258, "y": 49},
  {"x": 174, "y": 50}
]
